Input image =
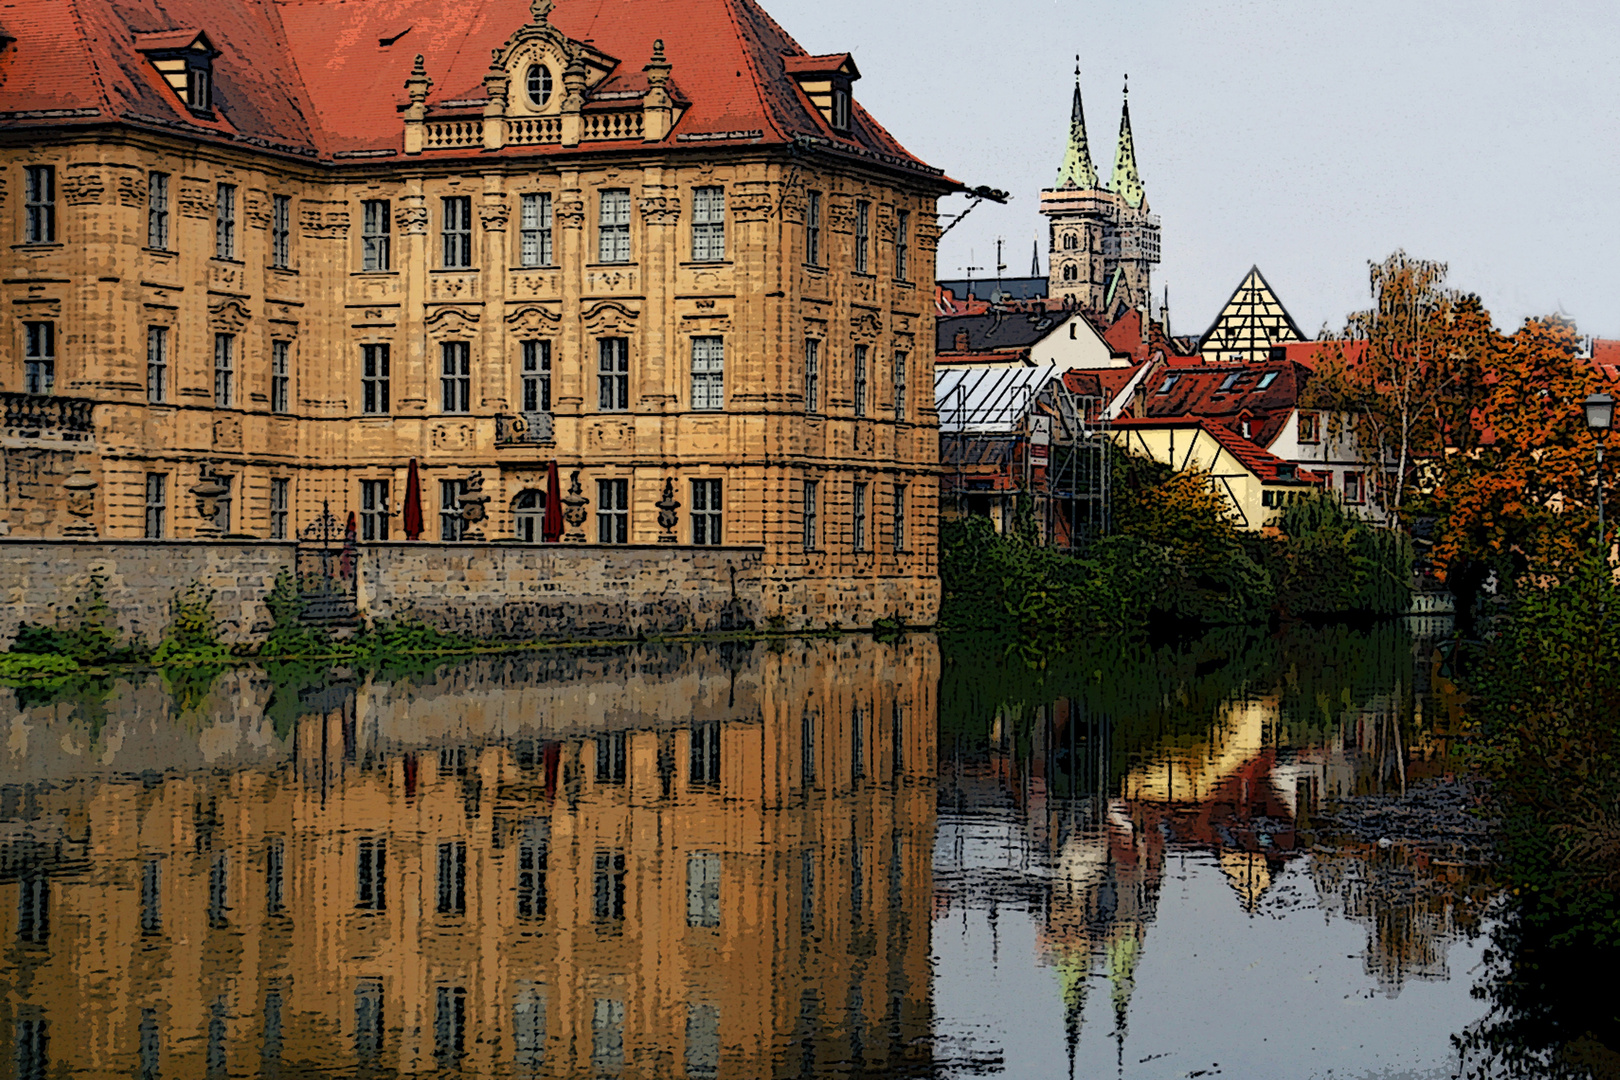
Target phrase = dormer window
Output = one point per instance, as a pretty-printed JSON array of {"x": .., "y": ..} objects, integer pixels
[
  {"x": 537, "y": 81},
  {"x": 840, "y": 108},
  {"x": 185, "y": 59}
]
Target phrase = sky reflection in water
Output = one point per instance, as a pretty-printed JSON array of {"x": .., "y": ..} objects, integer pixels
[{"x": 832, "y": 858}]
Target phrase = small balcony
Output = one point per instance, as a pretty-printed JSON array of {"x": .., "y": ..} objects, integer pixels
[
  {"x": 525, "y": 429},
  {"x": 46, "y": 416}
]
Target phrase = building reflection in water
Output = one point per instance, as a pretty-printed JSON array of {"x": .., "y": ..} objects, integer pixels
[
  {"x": 1069, "y": 811},
  {"x": 700, "y": 862}
]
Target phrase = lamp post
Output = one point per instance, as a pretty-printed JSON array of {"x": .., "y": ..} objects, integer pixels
[{"x": 1600, "y": 417}]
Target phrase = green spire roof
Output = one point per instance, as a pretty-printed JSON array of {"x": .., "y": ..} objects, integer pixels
[
  {"x": 1077, "y": 170},
  {"x": 1127, "y": 181}
]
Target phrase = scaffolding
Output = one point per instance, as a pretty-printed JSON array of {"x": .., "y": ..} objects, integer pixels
[{"x": 1078, "y": 504}]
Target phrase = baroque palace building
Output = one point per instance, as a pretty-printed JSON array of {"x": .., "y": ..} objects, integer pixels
[{"x": 269, "y": 257}]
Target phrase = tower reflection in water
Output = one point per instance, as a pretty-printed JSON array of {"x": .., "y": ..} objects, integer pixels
[{"x": 702, "y": 862}]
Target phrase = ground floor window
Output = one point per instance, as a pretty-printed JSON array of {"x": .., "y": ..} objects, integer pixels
[
  {"x": 613, "y": 511},
  {"x": 279, "y": 487},
  {"x": 451, "y": 525},
  {"x": 529, "y": 516},
  {"x": 157, "y": 505},
  {"x": 706, "y": 511},
  {"x": 374, "y": 510}
]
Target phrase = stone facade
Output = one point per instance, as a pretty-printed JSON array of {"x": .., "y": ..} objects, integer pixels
[
  {"x": 499, "y": 591},
  {"x": 305, "y": 326}
]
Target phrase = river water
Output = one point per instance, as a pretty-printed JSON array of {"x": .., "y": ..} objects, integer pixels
[{"x": 818, "y": 858}]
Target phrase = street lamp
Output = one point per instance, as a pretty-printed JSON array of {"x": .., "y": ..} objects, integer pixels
[{"x": 1600, "y": 417}]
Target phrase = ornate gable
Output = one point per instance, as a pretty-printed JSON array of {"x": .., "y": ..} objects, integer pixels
[{"x": 1252, "y": 321}]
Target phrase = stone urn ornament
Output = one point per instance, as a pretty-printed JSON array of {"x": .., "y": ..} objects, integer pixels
[
  {"x": 208, "y": 491},
  {"x": 81, "y": 503},
  {"x": 666, "y": 512},
  {"x": 473, "y": 501},
  {"x": 574, "y": 514}
]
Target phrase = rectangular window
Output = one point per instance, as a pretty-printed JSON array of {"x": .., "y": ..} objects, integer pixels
[
  {"x": 33, "y": 1057},
  {"x": 371, "y": 874},
  {"x": 279, "y": 487},
  {"x": 156, "y": 505},
  {"x": 811, "y": 532},
  {"x": 275, "y": 866},
  {"x": 863, "y": 236},
  {"x": 451, "y": 525},
  {"x": 537, "y": 376},
  {"x": 860, "y": 380},
  {"x": 812, "y": 229},
  {"x": 607, "y": 1036},
  {"x": 280, "y": 377},
  {"x": 39, "y": 226},
  {"x": 613, "y": 227},
  {"x": 608, "y": 886},
  {"x": 157, "y": 211},
  {"x": 858, "y": 517},
  {"x": 812, "y": 375},
  {"x": 613, "y": 374},
  {"x": 280, "y": 231},
  {"x": 368, "y": 1019},
  {"x": 199, "y": 87},
  {"x": 529, "y": 1028},
  {"x": 708, "y": 224},
  {"x": 807, "y": 751},
  {"x": 706, "y": 512},
  {"x": 456, "y": 233},
  {"x": 218, "y": 896},
  {"x": 452, "y": 878},
  {"x": 374, "y": 361},
  {"x": 374, "y": 510},
  {"x": 33, "y": 908},
  {"x": 901, "y": 363},
  {"x": 374, "y": 235},
  {"x": 531, "y": 883},
  {"x": 705, "y": 756},
  {"x": 151, "y": 896},
  {"x": 899, "y": 517},
  {"x": 450, "y": 1026},
  {"x": 535, "y": 236},
  {"x": 611, "y": 757},
  {"x": 39, "y": 357},
  {"x": 708, "y": 373},
  {"x": 225, "y": 221},
  {"x": 703, "y": 890},
  {"x": 455, "y": 376},
  {"x": 702, "y": 1041},
  {"x": 157, "y": 364},
  {"x": 224, "y": 368},
  {"x": 902, "y": 245},
  {"x": 613, "y": 511},
  {"x": 1353, "y": 488}
]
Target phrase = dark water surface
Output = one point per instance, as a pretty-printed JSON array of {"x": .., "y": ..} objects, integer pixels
[{"x": 819, "y": 858}]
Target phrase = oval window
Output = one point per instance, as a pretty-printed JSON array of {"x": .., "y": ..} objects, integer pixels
[{"x": 539, "y": 80}]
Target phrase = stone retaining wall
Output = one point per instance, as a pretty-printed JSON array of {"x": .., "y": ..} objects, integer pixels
[{"x": 495, "y": 590}]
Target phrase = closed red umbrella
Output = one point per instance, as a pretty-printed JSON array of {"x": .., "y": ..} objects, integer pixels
[
  {"x": 551, "y": 528},
  {"x": 413, "y": 503}
]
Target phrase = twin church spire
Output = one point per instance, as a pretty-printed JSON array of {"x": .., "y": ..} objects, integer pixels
[{"x": 1078, "y": 172}]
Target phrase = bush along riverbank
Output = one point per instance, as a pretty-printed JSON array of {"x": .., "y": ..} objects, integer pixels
[
  {"x": 1174, "y": 561},
  {"x": 1546, "y": 695}
]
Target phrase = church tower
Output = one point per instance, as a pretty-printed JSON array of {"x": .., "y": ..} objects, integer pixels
[{"x": 1104, "y": 241}]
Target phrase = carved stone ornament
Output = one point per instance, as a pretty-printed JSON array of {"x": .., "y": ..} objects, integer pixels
[
  {"x": 196, "y": 200},
  {"x": 412, "y": 220},
  {"x": 83, "y": 188},
  {"x": 473, "y": 500},
  {"x": 208, "y": 491},
  {"x": 661, "y": 210},
  {"x": 494, "y": 214},
  {"x": 667, "y": 506},
  {"x": 574, "y": 511},
  {"x": 81, "y": 503}
]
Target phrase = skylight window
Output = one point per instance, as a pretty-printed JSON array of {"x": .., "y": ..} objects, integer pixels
[
  {"x": 1169, "y": 381},
  {"x": 1230, "y": 381},
  {"x": 1266, "y": 380}
]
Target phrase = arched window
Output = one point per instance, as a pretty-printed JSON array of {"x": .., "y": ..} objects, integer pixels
[
  {"x": 1070, "y": 241},
  {"x": 529, "y": 515},
  {"x": 1070, "y": 273},
  {"x": 539, "y": 85}
]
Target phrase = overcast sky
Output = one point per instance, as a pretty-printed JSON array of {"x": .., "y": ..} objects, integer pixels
[{"x": 1307, "y": 138}]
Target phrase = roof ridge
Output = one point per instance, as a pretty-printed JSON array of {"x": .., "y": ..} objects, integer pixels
[
  {"x": 95, "y": 67},
  {"x": 749, "y": 60}
]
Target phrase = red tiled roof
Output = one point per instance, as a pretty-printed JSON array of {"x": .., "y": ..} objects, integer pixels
[
  {"x": 1606, "y": 358},
  {"x": 314, "y": 76},
  {"x": 1196, "y": 391},
  {"x": 1106, "y": 383},
  {"x": 1261, "y": 462}
]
